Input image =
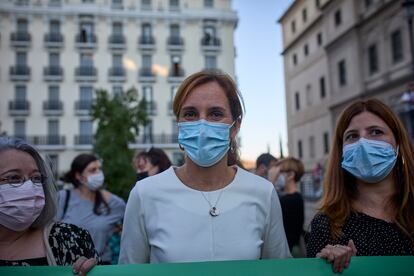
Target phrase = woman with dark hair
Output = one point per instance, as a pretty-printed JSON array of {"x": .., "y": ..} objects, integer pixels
[
  {"x": 208, "y": 208},
  {"x": 28, "y": 233},
  {"x": 368, "y": 204},
  {"x": 90, "y": 206}
]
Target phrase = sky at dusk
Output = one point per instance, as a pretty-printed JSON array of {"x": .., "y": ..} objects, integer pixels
[{"x": 259, "y": 74}]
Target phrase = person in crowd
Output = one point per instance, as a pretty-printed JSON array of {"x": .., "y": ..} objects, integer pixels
[
  {"x": 264, "y": 163},
  {"x": 208, "y": 208},
  {"x": 28, "y": 233},
  {"x": 151, "y": 162},
  {"x": 368, "y": 204},
  {"x": 89, "y": 205},
  {"x": 140, "y": 162},
  {"x": 290, "y": 172}
]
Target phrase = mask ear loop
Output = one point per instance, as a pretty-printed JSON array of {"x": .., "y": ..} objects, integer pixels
[{"x": 181, "y": 147}]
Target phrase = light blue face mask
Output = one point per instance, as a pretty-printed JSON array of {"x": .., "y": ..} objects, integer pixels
[
  {"x": 369, "y": 160},
  {"x": 204, "y": 142}
]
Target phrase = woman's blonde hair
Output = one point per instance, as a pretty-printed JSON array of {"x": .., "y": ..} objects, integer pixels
[{"x": 292, "y": 164}]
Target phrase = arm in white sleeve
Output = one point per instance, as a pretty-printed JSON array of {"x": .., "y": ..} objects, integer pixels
[
  {"x": 275, "y": 244},
  {"x": 134, "y": 240}
]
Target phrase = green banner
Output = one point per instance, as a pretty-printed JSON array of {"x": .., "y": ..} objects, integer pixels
[{"x": 393, "y": 265}]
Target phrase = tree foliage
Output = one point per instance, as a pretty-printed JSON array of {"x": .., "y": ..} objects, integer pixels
[{"x": 119, "y": 119}]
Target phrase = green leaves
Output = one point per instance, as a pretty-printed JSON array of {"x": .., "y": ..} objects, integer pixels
[{"x": 119, "y": 119}]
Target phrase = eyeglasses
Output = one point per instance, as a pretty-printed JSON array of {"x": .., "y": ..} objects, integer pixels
[{"x": 18, "y": 180}]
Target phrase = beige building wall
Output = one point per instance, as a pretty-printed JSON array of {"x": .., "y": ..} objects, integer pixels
[{"x": 191, "y": 16}]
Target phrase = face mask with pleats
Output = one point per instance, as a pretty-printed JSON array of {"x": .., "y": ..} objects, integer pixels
[
  {"x": 369, "y": 160},
  {"x": 205, "y": 143}
]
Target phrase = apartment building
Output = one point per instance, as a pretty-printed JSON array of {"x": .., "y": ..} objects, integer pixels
[
  {"x": 337, "y": 51},
  {"x": 55, "y": 53}
]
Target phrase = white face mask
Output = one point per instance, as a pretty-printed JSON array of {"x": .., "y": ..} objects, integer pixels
[
  {"x": 95, "y": 181},
  {"x": 280, "y": 182},
  {"x": 20, "y": 206}
]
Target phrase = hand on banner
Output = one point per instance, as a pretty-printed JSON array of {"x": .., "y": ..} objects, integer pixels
[
  {"x": 83, "y": 265},
  {"x": 338, "y": 255}
]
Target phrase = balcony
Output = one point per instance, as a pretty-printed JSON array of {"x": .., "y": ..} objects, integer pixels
[
  {"x": 19, "y": 108},
  {"x": 176, "y": 75},
  {"x": 210, "y": 44},
  {"x": 151, "y": 108},
  {"x": 85, "y": 140},
  {"x": 117, "y": 42},
  {"x": 157, "y": 139},
  {"x": 117, "y": 74},
  {"x": 20, "y": 39},
  {"x": 51, "y": 142},
  {"x": 52, "y": 108},
  {"x": 146, "y": 75},
  {"x": 86, "y": 41},
  {"x": 146, "y": 43},
  {"x": 20, "y": 73},
  {"x": 53, "y": 40},
  {"x": 175, "y": 43},
  {"x": 83, "y": 107},
  {"x": 53, "y": 73},
  {"x": 86, "y": 73}
]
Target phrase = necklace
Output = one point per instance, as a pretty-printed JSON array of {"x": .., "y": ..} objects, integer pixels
[{"x": 214, "y": 211}]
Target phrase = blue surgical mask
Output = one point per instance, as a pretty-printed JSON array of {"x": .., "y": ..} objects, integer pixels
[
  {"x": 369, "y": 160},
  {"x": 204, "y": 142}
]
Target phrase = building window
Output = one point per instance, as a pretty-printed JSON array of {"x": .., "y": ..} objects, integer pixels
[
  {"x": 306, "y": 50},
  {"x": 342, "y": 72},
  {"x": 326, "y": 142},
  {"x": 85, "y": 132},
  {"x": 85, "y": 97},
  {"x": 22, "y": 26},
  {"x": 293, "y": 26},
  {"x": 117, "y": 90},
  {"x": 309, "y": 99},
  {"x": 53, "y": 131},
  {"x": 148, "y": 133},
  {"x": 319, "y": 39},
  {"x": 21, "y": 59},
  {"x": 338, "y": 18},
  {"x": 304, "y": 15},
  {"x": 176, "y": 70},
  {"x": 175, "y": 30},
  {"x": 20, "y": 96},
  {"x": 86, "y": 60},
  {"x": 322, "y": 88},
  {"x": 209, "y": 35},
  {"x": 312, "y": 147},
  {"x": 297, "y": 101},
  {"x": 211, "y": 62},
  {"x": 20, "y": 129},
  {"x": 117, "y": 61},
  {"x": 372, "y": 59},
  {"x": 300, "y": 153},
  {"x": 54, "y": 27},
  {"x": 117, "y": 29},
  {"x": 208, "y": 3},
  {"x": 86, "y": 32},
  {"x": 396, "y": 46},
  {"x": 54, "y": 60},
  {"x": 146, "y": 30},
  {"x": 174, "y": 4},
  {"x": 148, "y": 98},
  {"x": 368, "y": 3},
  {"x": 53, "y": 94},
  {"x": 145, "y": 4},
  {"x": 295, "y": 59}
]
